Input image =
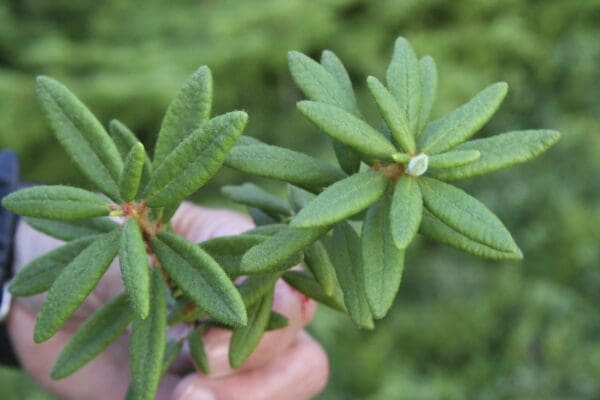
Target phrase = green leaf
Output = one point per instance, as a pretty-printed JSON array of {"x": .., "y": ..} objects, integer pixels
[
  {"x": 307, "y": 285},
  {"x": 265, "y": 230},
  {"x": 383, "y": 261},
  {"x": 172, "y": 351},
  {"x": 348, "y": 263},
  {"x": 277, "y": 321},
  {"x": 244, "y": 140},
  {"x": 404, "y": 81},
  {"x": 135, "y": 270},
  {"x": 187, "y": 112},
  {"x": 74, "y": 284},
  {"x": 195, "y": 160},
  {"x": 254, "y": 287},
  {"x": 466, "y": 215},
  {"x": 429, "y": 80},
  {"x": 453, "y": 159},
  {"x": 318, "y": 262},
  {"x": 245, "y": 339},
  {"x": 197, "y": 351},
  {"x": 501, "y": 151},
  {"x": 148, "y": 342},
  {"x": 131, "y": 176},
  {"x": 328, "y": 83},
  {"x": 298, "y": 197},
  {"x": 125, "y": 139},
  {"x": 348, "y": 129},
  {"x": 93, "y": 336},
  {"x": 392, "y": 114},
  {"x": 81, "y": 134},
  {"x": 200, "y": 278},
  {"x": 253, "y": 196},
  {"x": 283, "y": 164},
  {"x": 318, "y": 84},
  {"x": 261, "y": 218},
  {"x": 435, "y": 229},
  {"x": 336, "y": 68},
  {"x": 39, "y": 275},
  {"x": 454, "y": 128},
  {"x": 342, "y": 199},
  {"x": 56, "y": 202},
  {"x": 270, "y": 254},
  {"x": 227, "y": 251},
  {"x": 69, "y": 230},
  {"x": 347, "y": 159}
]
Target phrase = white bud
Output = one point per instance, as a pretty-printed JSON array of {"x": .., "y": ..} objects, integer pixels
[{"x": 417, "y": 165}]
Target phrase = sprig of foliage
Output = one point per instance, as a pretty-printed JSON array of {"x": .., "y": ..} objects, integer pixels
[{"x": 391, "y": 182}]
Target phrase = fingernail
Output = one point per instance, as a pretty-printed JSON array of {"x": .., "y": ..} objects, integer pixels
[{"x": 193, "y": 392}]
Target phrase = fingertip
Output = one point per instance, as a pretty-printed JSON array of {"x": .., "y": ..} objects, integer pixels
[{"x": 191, "y": 388}]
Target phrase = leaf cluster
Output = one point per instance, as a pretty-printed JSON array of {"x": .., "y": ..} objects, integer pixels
[{"x": 390, "y": 183}]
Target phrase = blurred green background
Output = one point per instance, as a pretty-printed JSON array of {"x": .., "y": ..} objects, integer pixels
[{"x": 461, "y": 327}]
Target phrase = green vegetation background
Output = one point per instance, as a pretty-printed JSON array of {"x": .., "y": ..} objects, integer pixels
[{"x": 461, "y": 327}]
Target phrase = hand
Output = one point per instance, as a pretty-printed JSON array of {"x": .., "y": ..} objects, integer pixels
[{"x": 288, "y": 364}]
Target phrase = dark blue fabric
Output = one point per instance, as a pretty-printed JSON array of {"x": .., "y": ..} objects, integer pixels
[{"x": 9, "y": 180}]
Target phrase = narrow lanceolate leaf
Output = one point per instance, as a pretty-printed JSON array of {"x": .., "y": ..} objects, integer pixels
[
  {"x": 392, "y": 114},
  {"x": 336, "y": 68},
  {"x": 452, "y": 129},
  {"x": 318, "y": 84},
  {"x": 348, "y": 262},
  {"x": 197, "y": 351},
  {"x": 299, "y": 198},
  {"x": 199, "y": 276},
  {"x": 435, "y": 229},
  {"x": 57, "y": 202},
  {"x": 187, "y": 112},
  {"x": 342, "y": 199},
  {"x": 318, "y": 262},
  {"x": 74, "y": 284},
  {"x": 125, "y": 139},
  {"x": 348, "y": 160},
  {"x": 453, "y": 158},
  {"x": 172, "y": 351},
  {"x": 404, "y": 81},
  {"x": 270, "y": 254},
  {"x": 148, "y": 342},
  {"x": 254, "y": 196},
  {"x": 227, "y": 251},
  {"x": 81, "y": 134},
  {"x": 501, "y": 151},
  {"x": 348, "y": 129},
  {"x": 245, "y": 339},
  {"x": 277, "y": 321},
  {"x": 93, "y": 336},
  {"x": 255, "y": 287},
  {"x": 466, "y": 215},
  {"x": 130, "y": 178},
  {"x": 135, "y": 271},
  {"x": 429, "y": 80},
  {"x": 39, "y": 275},
  {"x": 69, "y": 230},
  {"x": 383, "y": 261},
  {"x": 283, "y": 164},
  {"x": 265, "y": 230},
  {"x": 195, "y": 160},
  {"x": 306, "y": 284},
  {"x": 260, "y": 217}
]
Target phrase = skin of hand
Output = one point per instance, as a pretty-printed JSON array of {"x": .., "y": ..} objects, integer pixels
[{"x": 288, "y": 363}]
